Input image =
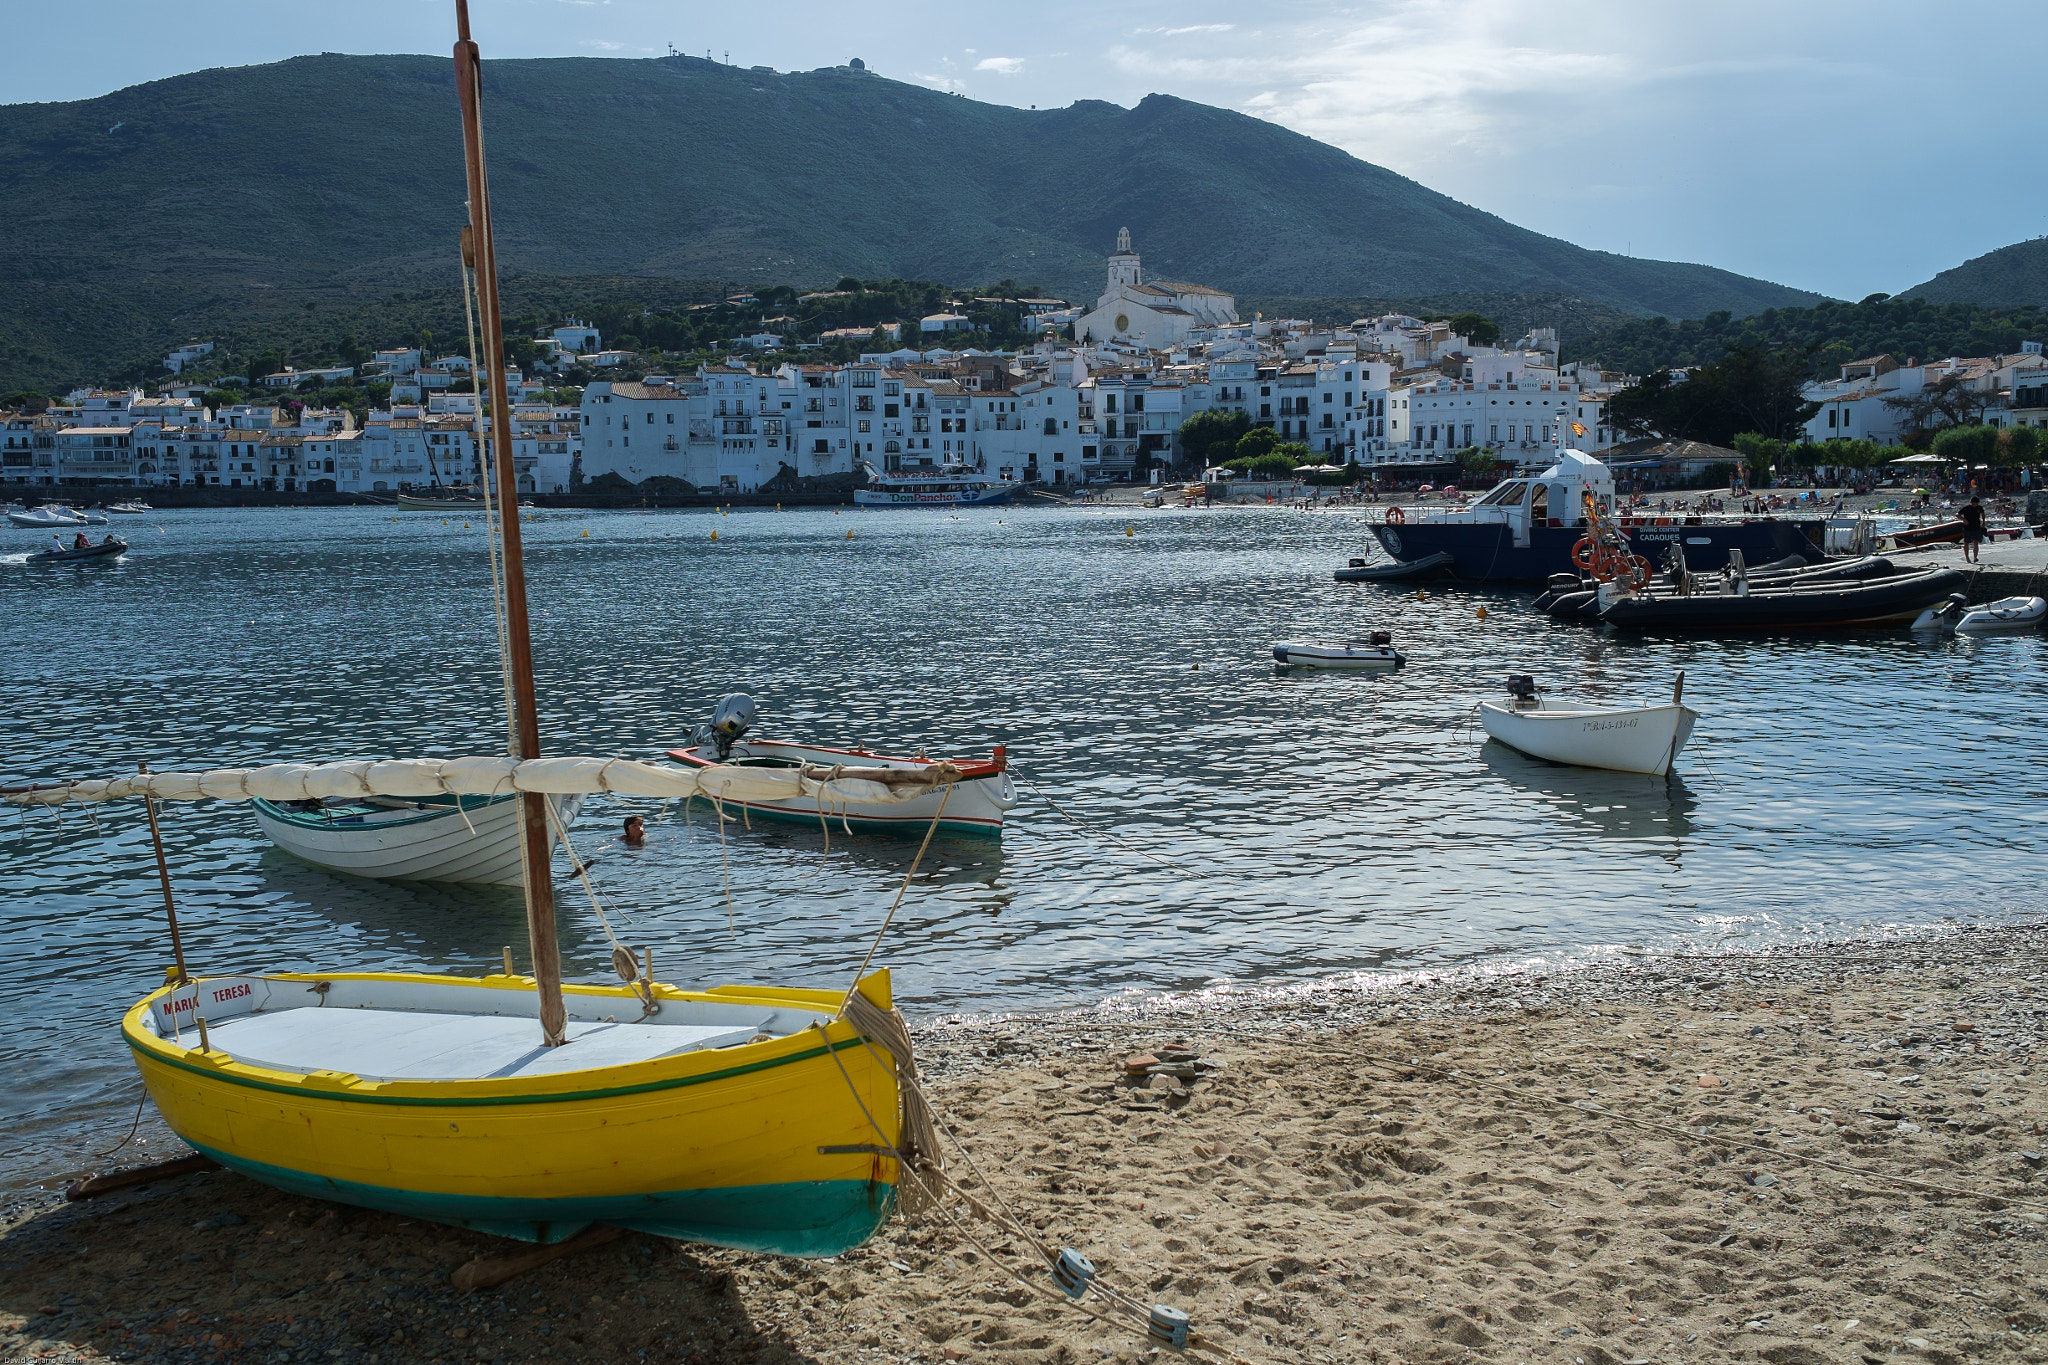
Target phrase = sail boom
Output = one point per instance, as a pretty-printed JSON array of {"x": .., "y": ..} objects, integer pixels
[{"x": 414, "y": 778}]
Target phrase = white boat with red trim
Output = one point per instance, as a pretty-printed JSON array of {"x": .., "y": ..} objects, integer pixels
[{"x": 974, "y": 800}]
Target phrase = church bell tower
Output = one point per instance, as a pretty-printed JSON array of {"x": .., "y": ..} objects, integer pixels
[{"x": 1123, "y": 267}]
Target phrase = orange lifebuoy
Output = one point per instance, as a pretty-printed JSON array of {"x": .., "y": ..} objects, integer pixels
[
  {"x": 1586, "y": 554},
  {"x": 1396, "y": 517}
]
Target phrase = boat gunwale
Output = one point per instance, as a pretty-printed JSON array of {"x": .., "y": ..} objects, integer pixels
[
  {"x": 464, "y": 1093},
  {"x": 970, "y": 769},
  {"x": 311, "y": 820}
]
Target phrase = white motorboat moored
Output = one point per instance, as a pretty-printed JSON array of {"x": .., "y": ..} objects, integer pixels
[
  {"x": 46, "y": 516},
  {"x": 981, "y": 790},
  {"x": 1626, "y": 739},
  {"x": 1375, "y": 651},
  {"x": 431, "y": 839}
]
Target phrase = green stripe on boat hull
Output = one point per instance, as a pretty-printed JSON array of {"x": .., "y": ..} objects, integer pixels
[
  {"x": 809, "y": 1218},
  {"x": 861, "y": 824}
]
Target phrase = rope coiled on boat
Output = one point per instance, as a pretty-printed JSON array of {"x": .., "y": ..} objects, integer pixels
[{"x": 917, "y": 1136}]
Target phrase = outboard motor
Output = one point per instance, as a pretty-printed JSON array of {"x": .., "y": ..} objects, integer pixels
[
  {"x": 733, "y": 718},
  {"x": 1381, "y": 638},
  {"x": 1522, "y": 687}
]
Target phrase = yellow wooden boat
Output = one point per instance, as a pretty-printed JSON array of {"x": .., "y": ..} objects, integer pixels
[{"x": 745, "y": 1116}]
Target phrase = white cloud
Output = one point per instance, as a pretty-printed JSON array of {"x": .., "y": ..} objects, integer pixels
[
  {"x": 1191, "y": 28},
  {"x": 602, "y": 46},
  {"x": 937, "y": 82},
  {"x": 1002, "y": 66}
]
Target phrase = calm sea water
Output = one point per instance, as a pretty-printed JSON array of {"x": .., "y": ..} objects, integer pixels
[{"x": 1221, "y": 821}]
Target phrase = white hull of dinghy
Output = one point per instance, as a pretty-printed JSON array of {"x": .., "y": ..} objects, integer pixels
[
  {"x": 1625, "y": 739},
  {"x": 977, "y": 803},
  {"x": 2008, "y": 613},
  {"x": 1334, "y": 654},
  {"x": 435, "y": 846}
]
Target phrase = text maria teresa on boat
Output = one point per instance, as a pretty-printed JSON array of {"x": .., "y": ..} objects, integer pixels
[{"x": 1525, "y": 527}]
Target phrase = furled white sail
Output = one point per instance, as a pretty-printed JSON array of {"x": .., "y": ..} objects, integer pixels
[{"x": 416, "y": 777}]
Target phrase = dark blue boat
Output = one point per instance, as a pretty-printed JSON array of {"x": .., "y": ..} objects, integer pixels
[{"x": 1525, "y": 529}]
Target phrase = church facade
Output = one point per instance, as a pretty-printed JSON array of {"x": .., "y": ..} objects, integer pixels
[{"x": 1158, "y": 314}]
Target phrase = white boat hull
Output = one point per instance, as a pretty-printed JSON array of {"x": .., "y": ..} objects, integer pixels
[
  {"x": 441, "y": 848},
  {"x": 2008, "y": 613},
  {"x": 976, "y": 804},
  {"x": 1334, "y": 654},
  {"x": 1624, "y": 739},
  {"x": 43, "y": 516},
  {"x": 899, "y": 497}
]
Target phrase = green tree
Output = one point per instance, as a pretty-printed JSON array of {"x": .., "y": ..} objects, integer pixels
[
  {"x": 1750, "y": 389},
  {"x": 2019, "y": 446},
  {"x": 1478, "y": 463},
  {"x": 1271, "y": 465},
  {"x": 1972, "y": 445},
  {"x": 217, "y": 399},
  {"x": 1210, "y": 433},
  {"x": 1479, "y": 330},
  {"x": 1256, "y": 442}
]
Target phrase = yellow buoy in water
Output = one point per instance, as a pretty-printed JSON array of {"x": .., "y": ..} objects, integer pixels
[
  {"x": 849, "y": 535},
  {"x": 444, "y": 521},
  {"x": 714, "y": 535},
  {"x": 1130, "y": 530},
  {"x": 1422, "y": 597},
  {"x": 1482, "y": 613},
  {"x": 586, "y": 535},
  {"x": 465, "y": 526}
]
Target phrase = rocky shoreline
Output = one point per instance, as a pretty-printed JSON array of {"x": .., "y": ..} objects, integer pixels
[{"x": 1828, "y": 1152}]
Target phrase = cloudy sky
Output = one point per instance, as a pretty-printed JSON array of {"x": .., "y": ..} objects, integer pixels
[{"x": 1844, "y": 148}]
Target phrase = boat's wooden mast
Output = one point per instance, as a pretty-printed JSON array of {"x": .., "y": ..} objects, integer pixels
[{"x": 537, "y": 843}]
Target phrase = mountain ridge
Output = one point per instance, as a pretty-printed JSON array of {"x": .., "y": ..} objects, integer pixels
[
  {"x": 332, "y": 180},
  {"x": 2014, "y": 275}
]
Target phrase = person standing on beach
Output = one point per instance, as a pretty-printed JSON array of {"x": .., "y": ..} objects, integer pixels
[{"x": 1973, "y": 531}]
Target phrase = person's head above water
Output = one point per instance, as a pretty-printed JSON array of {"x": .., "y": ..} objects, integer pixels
[{"x": 635, "y": 831}]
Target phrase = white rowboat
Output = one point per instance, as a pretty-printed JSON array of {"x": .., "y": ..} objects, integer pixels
[
  {"x": 1338, "y": 654},
  {"x": 421, "y": 840},
  {"x": 1625, "y": 739},
  {"x": 977, "y": 801}
]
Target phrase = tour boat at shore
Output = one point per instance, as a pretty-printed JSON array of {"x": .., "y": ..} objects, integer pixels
[
  {"x": 1526, "y": 528},
  {"x": 942, "y": 486}
]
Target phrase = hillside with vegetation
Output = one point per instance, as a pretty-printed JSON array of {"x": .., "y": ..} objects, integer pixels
[
  {"x": 1823, "y": 337},
  {"x": 2013, "y": 275},
  {"x": 322, "y": 195}
]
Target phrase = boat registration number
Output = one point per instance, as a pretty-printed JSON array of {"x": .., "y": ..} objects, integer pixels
[{"x": 1608, "y": 725}]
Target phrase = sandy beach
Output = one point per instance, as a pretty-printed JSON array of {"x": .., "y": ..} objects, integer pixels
[{"x": 1824, "y": 1153}]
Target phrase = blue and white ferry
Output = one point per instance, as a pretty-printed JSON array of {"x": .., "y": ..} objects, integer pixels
[
  {"x": 1526, "y": 527},
  {"x": 949, "y": 485}
]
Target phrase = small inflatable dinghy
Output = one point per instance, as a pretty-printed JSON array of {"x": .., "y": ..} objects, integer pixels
[
  {"x": 2007, "y": 613},
  {"x": 1376, "y": 651},
  {"x": 1953, "y": 617}
]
